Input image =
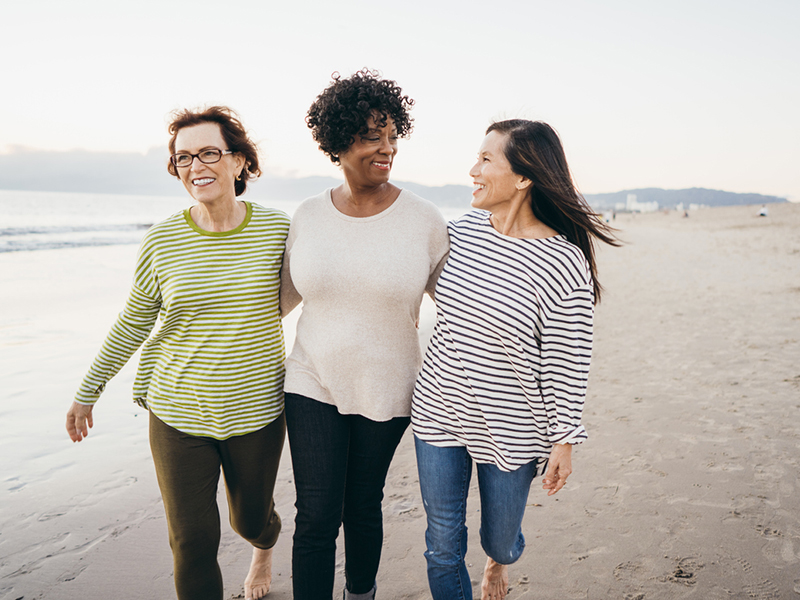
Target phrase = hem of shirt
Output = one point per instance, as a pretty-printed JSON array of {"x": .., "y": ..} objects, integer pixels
[
  {"x": 255, "y": 427},
  {"x": 542, "y": 457},
  {"x": 319, "y": 395}
]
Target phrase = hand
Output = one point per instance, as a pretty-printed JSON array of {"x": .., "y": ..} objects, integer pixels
[
  {"x": 79, "y": 420},
  {"x": 559, "y": 467}
]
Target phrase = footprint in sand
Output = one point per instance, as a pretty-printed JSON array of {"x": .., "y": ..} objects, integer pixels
[
  {"x": 763, "y": 590},
  {"x": 685, "y": 571}
]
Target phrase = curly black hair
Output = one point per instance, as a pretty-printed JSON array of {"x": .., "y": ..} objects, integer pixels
[{"x": 342, "y": 110}]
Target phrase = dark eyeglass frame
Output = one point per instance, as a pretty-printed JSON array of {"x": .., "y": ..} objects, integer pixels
[{"x": 174, "y": 158}]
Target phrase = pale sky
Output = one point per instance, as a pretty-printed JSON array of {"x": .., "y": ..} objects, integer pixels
[{"x": 685, "y": 93}]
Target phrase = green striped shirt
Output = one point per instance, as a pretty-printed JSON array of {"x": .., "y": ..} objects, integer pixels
[{"x": 214, "y": 365}]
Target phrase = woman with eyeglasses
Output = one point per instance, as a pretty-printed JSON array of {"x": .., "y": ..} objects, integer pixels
[{"x": 212, "y": 374}]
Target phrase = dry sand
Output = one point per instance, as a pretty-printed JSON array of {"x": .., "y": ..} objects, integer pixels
[{"x": 688, "y": 487}]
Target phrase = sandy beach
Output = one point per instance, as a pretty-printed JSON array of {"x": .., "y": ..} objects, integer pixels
[{"x": 689, "y": 485}]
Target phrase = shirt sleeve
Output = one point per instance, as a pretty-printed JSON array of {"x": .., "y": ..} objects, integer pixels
[
  {"x": 128, "y": 333},
  {"x": 440, "y": 250},
  {"x": 566, "y": 351},
  {"x": 289, "y": 296}
]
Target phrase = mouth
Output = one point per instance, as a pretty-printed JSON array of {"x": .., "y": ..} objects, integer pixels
[
  {"x": 477, "y": 187},
  {"x": 203, "y": 181},
  {"x": 383, "y": 166}
]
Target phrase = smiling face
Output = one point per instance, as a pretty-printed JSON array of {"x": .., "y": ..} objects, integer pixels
[
  {"x": 208, "y": 183},
  {"x": 368, "y": 160},
  {"x": 495, "y": 183}
]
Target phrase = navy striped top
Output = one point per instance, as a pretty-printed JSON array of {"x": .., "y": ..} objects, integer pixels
[{"x": 505, "y": 372}]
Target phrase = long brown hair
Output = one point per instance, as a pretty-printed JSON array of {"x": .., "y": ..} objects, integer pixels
[{"x": 534, "y": 151}]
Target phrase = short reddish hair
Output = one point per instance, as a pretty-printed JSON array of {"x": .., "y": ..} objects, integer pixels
[{"x": 233, "y": 132}]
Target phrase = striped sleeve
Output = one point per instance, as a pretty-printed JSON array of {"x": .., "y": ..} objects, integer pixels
[
  {"x": 131, "y": 329},
  {"x": 565, "y": 355}
]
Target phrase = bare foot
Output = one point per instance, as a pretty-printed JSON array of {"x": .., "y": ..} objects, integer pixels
[
  {"x": 258, "y": 580},
  {"x": 495, "y": 581}
]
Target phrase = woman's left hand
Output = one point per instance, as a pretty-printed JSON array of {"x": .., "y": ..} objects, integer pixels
[{"x": 559, "y": 467}]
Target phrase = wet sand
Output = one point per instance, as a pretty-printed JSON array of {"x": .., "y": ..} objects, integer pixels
[{"x": 688, "y": 487}]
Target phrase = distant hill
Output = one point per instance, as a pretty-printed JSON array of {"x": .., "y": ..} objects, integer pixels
[
  {"x": 146, "y": 174},
  {"x": 284, "y": 188},
  {"x": 671, "y": 198}
]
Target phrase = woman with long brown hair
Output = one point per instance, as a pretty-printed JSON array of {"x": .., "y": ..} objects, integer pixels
[{"x": 504, "y": 377}]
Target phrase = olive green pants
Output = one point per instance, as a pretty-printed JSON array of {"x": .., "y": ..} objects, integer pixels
[{"x": 188, "y": 470}]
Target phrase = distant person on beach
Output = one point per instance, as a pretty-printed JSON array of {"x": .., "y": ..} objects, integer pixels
[
  {"x": 360, "y": 257},
  {"x": 212, "y": 374},
  {"x": 763, "y": 212},
  {"x": 504, "y": 376}
]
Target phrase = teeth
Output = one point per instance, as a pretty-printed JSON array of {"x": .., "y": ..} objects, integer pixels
[
  {"x": 203, "y": 181},
  {"x": 478, "y": 186}
]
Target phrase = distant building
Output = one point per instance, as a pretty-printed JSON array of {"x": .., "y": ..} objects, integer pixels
[
  {"x": 681, "y": 207},
  {"x": 632, "y": 205}
]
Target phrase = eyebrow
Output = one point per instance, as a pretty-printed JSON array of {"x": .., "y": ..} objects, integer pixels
[{"x": 184, "y": 151}]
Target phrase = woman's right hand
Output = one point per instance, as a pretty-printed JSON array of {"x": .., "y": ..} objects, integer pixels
[{"x": 79, "y": 420}]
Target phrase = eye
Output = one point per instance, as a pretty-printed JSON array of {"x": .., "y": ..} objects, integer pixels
[{"x": 210, "y": 154}]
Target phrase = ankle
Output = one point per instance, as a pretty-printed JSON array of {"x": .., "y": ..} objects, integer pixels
[{"x": 370, "y": 595}]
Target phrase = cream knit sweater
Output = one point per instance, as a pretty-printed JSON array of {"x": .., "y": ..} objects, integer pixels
[{"x": 361, "y": 282}]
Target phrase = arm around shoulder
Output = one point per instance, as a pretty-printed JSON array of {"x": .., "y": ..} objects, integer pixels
[{"x": 439, "y": 249}]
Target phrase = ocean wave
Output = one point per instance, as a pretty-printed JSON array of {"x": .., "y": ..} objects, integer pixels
[{"x": 32, "y": 238}]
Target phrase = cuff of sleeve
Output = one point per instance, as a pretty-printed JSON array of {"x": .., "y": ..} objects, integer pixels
[
  {"x": 85, "y": 401},
  {"x": 89, "y": 396},
  {"x": 567, "y": 434}
]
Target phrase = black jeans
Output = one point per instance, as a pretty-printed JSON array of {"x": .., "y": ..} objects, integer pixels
[{"x": 340, "y": 464}]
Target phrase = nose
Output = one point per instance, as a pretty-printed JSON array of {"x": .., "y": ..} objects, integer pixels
[
  {"x": 197, "y": 163},
  {"x": 474, "y": 171},
  {"x": 387, "y": 146}
]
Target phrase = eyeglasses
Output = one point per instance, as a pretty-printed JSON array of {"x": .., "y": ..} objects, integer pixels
[{"x": 208, "y": 156}]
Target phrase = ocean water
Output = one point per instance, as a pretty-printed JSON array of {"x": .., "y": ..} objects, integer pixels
[{"x": 31, "y": 221}]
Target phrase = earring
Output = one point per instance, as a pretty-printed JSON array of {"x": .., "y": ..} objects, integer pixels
[{"x": 238, "y": 178}]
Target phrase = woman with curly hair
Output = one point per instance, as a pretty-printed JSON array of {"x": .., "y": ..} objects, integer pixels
[
  {"x": 359, "y": 257},
  {"x": 212, "y": 374}
]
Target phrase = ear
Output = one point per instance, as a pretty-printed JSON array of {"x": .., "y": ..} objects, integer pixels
[{"x": 523, "y": 184}]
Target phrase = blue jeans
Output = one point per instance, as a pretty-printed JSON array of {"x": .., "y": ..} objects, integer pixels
[
  {"x": 444, "y": 476},
  {"x": 340, "y": 464}
]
